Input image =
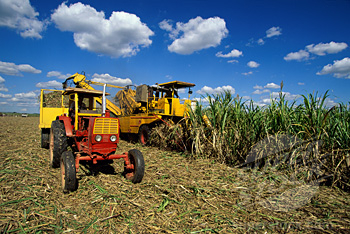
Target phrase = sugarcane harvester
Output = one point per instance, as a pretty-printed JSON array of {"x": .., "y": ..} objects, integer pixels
[
  {"x": 141, "y": 109},
  {"x": 81, "y": 133}
]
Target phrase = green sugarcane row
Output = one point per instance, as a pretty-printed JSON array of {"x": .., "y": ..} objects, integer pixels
[{"x": 317, "y": 134}]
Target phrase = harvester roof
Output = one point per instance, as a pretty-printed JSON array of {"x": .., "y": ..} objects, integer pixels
[
  {"x": 176, "y": 84},
  {"x": 87, "y": 92}
]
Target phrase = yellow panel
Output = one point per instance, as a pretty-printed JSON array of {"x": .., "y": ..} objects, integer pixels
[
  {"x": 124, "y": 124},
  {"x": 50, "y": 114},
  {"x": 178, "y": 108}
]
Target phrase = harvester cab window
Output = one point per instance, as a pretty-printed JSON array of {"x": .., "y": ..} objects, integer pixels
[{"x": 176, "y": 95}]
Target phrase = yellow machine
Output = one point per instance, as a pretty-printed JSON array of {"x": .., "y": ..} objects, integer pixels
[{"x": 138, "y": 110}]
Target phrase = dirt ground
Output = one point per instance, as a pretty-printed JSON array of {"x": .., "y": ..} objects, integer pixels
[{"x": 178, "y": 194}]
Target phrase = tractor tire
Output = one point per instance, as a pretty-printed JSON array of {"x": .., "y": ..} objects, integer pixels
[
  {"x": 144, "y": 135},
  {"x": 58, "y": 142},
  {"x": 68, "y": 172},
  {"x": 136, "y": 159},
  {"x": 45, "y": 138}
]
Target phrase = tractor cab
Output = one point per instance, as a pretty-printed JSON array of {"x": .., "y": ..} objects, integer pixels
[
  {"x": 82, "y": 105},
  {"x": 171, "y": 88},
  {"x": 169, "y": 100}
]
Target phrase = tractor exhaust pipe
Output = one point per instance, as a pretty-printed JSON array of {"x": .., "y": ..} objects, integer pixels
[{"x": 104, "y": 101}]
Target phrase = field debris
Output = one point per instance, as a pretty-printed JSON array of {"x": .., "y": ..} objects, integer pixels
[{"x": 179, "y": 194}]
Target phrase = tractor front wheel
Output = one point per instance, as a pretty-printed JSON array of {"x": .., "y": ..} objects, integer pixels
[
  {"x": 58, "y": 142},
  {"x": 68, "y": 172},
  {"x": 136, "y": 159}
]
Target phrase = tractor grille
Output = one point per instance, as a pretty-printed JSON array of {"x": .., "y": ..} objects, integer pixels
[{"x": 106, "y": 126}]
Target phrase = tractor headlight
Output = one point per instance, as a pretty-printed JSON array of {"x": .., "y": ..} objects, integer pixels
[
  {"x": 98, "y": 138},
  {"x": 113, "y": 138}
]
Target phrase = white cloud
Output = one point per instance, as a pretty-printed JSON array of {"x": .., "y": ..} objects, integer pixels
[
  {"x": 49, "y": 84},
  {"x": 257, "y": 87},
  {"x": 339, "y": 69},
  {"x": 233, "y": 54},
  {"x": 58, "y": 74},
  {"x": 247, "y": 73},
  {"x": 330, "y": 103},
  {"x": 183, "y": 90},
  {"x": 4, "y": 103},
  {"x": 26, "y": 95},
  {"x": 261, "y": 41},
  {"x": 329, "y": 48},
  {"x": 121, "y": 35},
  {"x": 165, "y": 25},
  {"x": 232, "y": 61},
  {"x": 169, "y": 77},
  {"x": 300, "y": 55},
  {"x": 253, "y": 64},
  {"x": 320, "y": 49},
  {"x": 201, "y": 100},
  {"x": 29, "y": 103},
  {"x": 20, "y": 15},
  {"x": 265, "y": 101},
  {"x": 5, "y": 95},
  {"x": 24, "y": 109},
  {"x": 288, "y": 95},
  {"x": 301, "y": 83},
  {"x": 15, "y": 70},
  {"x": 274, "y": 31},
  {"x": 271, "y": 86},
  {"x": 217, "y": 90},
  {"x": 2, "y": 86},
  {"x": 271, "y": 32},
  {"x": 196, "y": 34},
  {"x": 108, "y": 79},
  {"x": 260, "y": 91}
]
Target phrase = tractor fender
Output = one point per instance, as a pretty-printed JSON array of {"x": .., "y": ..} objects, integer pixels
[{"x": 67, "y": 125}]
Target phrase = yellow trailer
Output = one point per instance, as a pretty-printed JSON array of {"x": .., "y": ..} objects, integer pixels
[{"x": 52, "y": 104}]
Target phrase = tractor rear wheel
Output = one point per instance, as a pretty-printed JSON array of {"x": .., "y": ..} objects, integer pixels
[
  {"x": 136, "y": 159},
  {"x": 58, "y": 142},
  {"x": 144, "y": 135},
  {"x": 68, "y": 172}
]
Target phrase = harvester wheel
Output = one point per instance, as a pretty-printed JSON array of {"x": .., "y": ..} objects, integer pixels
[
  {"x": 144, "y": 135},
  {"x": 136, "y": 159},
  {"x": 68, "y": 172},
  {"x": 58, "y": 142},
  {"x": 45, "y": 138}
]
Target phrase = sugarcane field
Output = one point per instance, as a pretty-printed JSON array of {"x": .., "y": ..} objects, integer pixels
[
  {"x": 177, "y": 117},
  {"x": 225, "y": 181}
]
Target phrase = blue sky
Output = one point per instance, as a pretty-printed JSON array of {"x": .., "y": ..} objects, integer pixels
[{"x": 245, "y": 47}]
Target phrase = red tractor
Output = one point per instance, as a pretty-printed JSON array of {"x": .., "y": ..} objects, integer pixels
[{"x": 86, "y": 134}]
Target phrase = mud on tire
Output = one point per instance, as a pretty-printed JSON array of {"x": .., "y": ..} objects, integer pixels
[{"x": 58, "y": 143}]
